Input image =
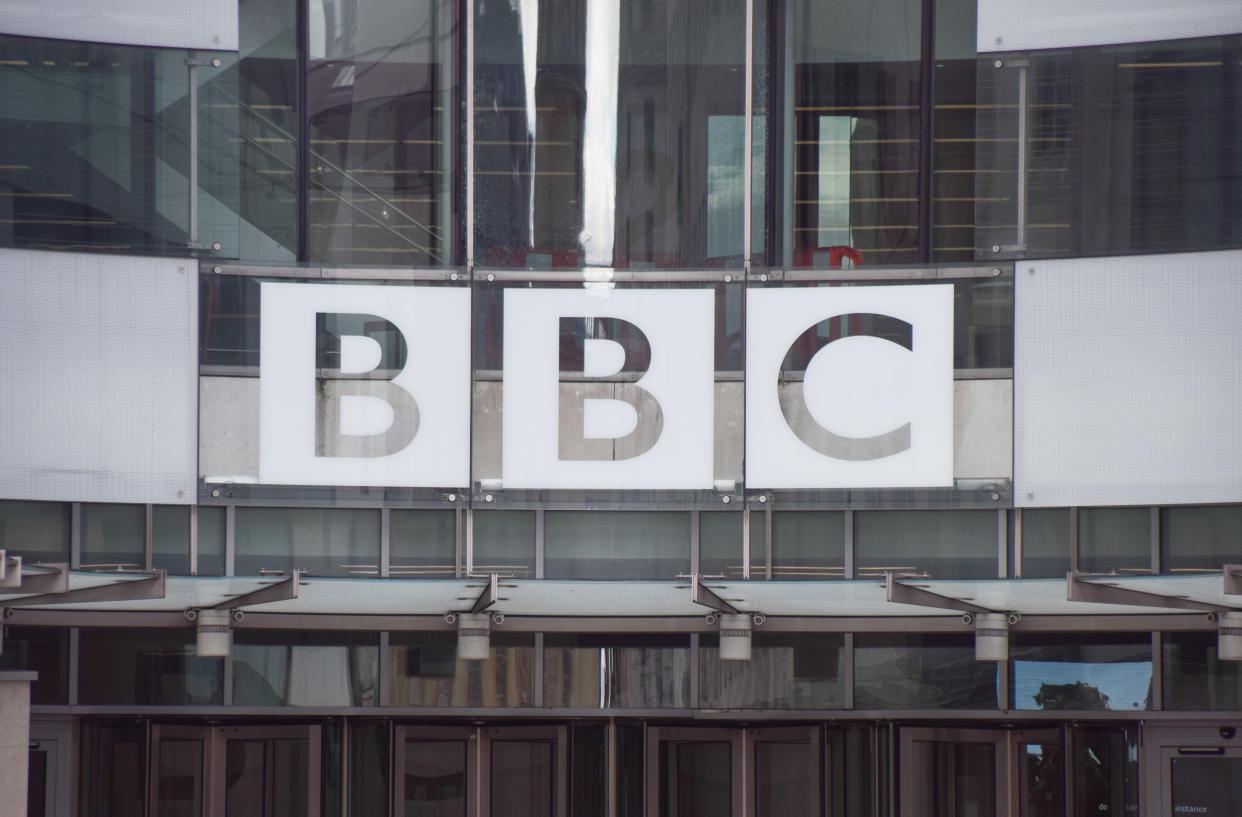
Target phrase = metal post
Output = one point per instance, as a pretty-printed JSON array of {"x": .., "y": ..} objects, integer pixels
[
  {"x": 75, "y": 536},
  {"x": 230, "y": 524},
  {"x": 850, "y": 562},
  {"x": 745, "y": 542},
  {"x": 694, "y": 542},
  {"x": 847, "y": 669},
  {"x": 748, "y": 136},
  {"x": 385, "y": 555},
  {"x": 1022, "y": 158},
  {"x": 1002, "y": 543},
  {"x": 470, "y": 137},
  {"x": 192, "y": 72},
  {"x": 193, "y": 540},
  {"x": 385, "y": 668},
  {"x": 539, "y": 543}
]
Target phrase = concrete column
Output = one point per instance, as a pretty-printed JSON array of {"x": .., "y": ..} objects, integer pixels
[{"x": 14, "y": 740}]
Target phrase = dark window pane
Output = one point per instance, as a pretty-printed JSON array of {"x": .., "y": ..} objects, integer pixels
[
  {"x": 1114, "y": 539},
  {"x": 1045, "y": 542},
  {"x": 36, "y": 531},
  {"x": 425, "y": 671},
  {"x": 435, "y": 778},
  {"x": 944, "y": 544},
  {"x": 1105, "y": 771},
  {"x": 808, "y": 544},
  {"x": 523, "y": 776},
  {"x": 422, "y": 543},
  {"x": 114, "y": 782},
  {"x": 1211, "y": 786},
  {"x": 1195, "y": 678},
  {"x": 611, "y": 135},
  {"x": 786, "y": 671},
  {"x": 368, "y": 767},
  {"x": 289, "y": 668},
  {"x": 1194, "y": 539},
  {"x": 921, "y": 671},
  {"x": 325, "y": 541},
  {"x": 170, "y": 538},
  {"x": 113, "y": 537},
  {"x": 635, "y": 671},
  {"x": 211, "y": 522},
  {"x": 616, "y": 545},
  {"x": 504, "y": 542},
  {"x": 720, "y": 544},
  {"x": 155, "y": 667},
  {"x": 1064, "y": 671},
  {"x": 44, "y": 650}
]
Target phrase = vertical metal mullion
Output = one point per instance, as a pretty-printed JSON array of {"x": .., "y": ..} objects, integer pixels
[
  {"x": 539, "y": 670},
  {"x": 193, "y": 540},
  {"x": 789, "y": 137},
  {"x": 385, "y": 554},
  {"x": 847, "y": 660},
  {"x": 1157, "y": 670},
  {"x": 1022, "y": 157},
  {"x": 1154, "y": 538},
  {"x": 74, "y": 635},
  {"x": 927, "y": 65},
  {"x": 148, "y": 521},
  {"x": 748, "y": 137},
  {"x": 192, "y": 101},
  {"x": 611, "y": 774},
  {"x": 767, "y": 523},
  {"x": 75, "y": 536},
  {"x": 230, "y": 538},
  {"x": 1067, "y": 753},
  {"x": 469, "y": 140},
  {"x": 851, "y": 564},
  {"x": 746, "y": 542},
  {"x": 385, "y": 668},
  {"x": 539, "y": 543},
  {"x": 1002, "y": 543},
  {"x": 694, "y": 671},
  {"x": 1073, "y": 538},
  {"x": 228, "y": 670},
  {"x": 1002, "y": 684},
  {"x": 303, "y": 134},
  {"x": 469, "y": 540},
  {"x": 694, "y": 542},
  {"x": 458, "y": 536},
  {"x": 1017, "y": 543}
]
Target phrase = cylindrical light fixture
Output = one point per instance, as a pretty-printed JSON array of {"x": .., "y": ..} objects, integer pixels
[
  {"x": 212, "y": 629},
  {"x": 735, "y": 636},
  {"x": 991, "y": 637},
  {"x": 1229, "y": 636},
  {"x": 473, "y": 636}
]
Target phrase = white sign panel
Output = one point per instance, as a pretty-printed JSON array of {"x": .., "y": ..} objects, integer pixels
[
  {"x": 1023, "y": 25},
  {"x": 849, "y": 387},
  {"x": 335, "y": 410},
  {"x": 608, "y": 389},
  {"x": 210, "y": 25}
]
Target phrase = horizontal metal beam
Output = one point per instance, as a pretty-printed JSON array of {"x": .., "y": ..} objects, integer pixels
[
  {"x": 281, "y": 590},
  {"x": 151, "y": 586},
  {"x": 901, "y": 593},
  {"x": 704, "y": 595},
  {"x": 1085, "y": 587}
]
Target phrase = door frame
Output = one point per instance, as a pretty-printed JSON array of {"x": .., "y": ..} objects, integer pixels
[
  {"x": 1001, "y": 739},
  {"x": 691, "y": 734},
  {"x": 1163, "y": 743}
]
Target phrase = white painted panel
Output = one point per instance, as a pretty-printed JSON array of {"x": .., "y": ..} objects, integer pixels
[
  {"x": 1022, "y": 25},
  {"x": 1128, "y": 380},
  {"x": 99, "y": 373},
  {"x": 208, "y": 25}
]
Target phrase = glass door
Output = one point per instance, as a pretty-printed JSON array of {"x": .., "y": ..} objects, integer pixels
[
  {"x": 265, "y": 771},
  {"x": 954, "y": 773},
  {"x": 478, "y": 772},
  {"x": 1039, "y": 756},
  {"x": 1203, "y": 779},
  {"x": 694, "y": 772},
  {"x": 784, "y": 771},
  {"x": 179, "y": 757}
]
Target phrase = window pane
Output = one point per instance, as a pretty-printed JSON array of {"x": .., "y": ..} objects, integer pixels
[
  {"x": 44, "y": 650},
  {"x": 155, "y": 667},
  {"x": 113, "y": 537},
  {"x": 325, "y": 541},
  {"x": 211, "y": 523},
  {"x": 1105, "y": 770},
  {"x": 616, "y": 545},
  {"x": 921, "y": 671},
  {"x": 1063, "y": 671},
  {"x": 170, "y": 538},
  {"x": 634, "y": 671},
  {"x": 1200, "y": 538},
  {"x": 1045, "y": 542},
  {"x": 289, "y": 668},
  {"x": 786, "y": 671},
  {"x": 608, "y": 134},
  {"x": 504, "y": 542},
  {"x": 425, "y": 671},
  {"x": 720, "y": 544},
  {"x": 808, "y": 544},
  {"x": 1114, "y": 539},
  {"x": 36, "y": 531},
  {"x": 382, "y": 90},
  {"x": 1195, "y": 678},
  {"x": 942, "y": 544},
  {"x": 422, "y": 543}
]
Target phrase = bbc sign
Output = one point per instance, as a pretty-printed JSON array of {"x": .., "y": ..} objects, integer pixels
[{"x": 606, "y": 389}]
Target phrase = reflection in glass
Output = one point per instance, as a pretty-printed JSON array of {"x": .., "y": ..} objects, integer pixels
[
  {"x": 1193, "y": 539},
  {"x": 921, "y": 671},
  {"x": 807, "y": 544},
  {"x": 170, "y": 538},
  {"x": 368, "y": 767},
  {"x": 435, "y": 778},
  {"x": 616, "y": 545},
  {"x": 523, "y": 778},
  {"x": 609, "y": 133},
  {"x": 323, "y": 541},
  {"x": 720, "y": 544},
  {"x": 786, "y": 671},
  {"x": 1195, "y": 678},
  {"x": 1045, "y": 542},
  {"x": 1210, "y": 786},
  {"x": 1067, "y": 671},
  {"x": 180, "y": 778},
  {"x": 695, "y": 779},
  {"x": 1041, "y": 779},
  {"x": 36, "y": 531},
  {"x": 422, "y": 543},
  {"x": 1114, "y": 539},
  {"x": 785, "y": 778},
  {"x": 115, "y": 779},
  {"x": 266, "y": 777},
  {"x": 147, "y": 667},
  {"x": 287, "y": 668},
  {"x": 959, "y": 778},
  {"x": 943, "y": 544},
  {"x": 44, "y": 650},
  {"x": 1105, "y": 771},
  {"x": 635, "y": 671},
  {"x": 113, "y": 537},
  {"x": 504, "y": 542},
  {"x": 425, "y": 671},
  {"x": 211, "y": 540},
  {"x": 381, "y": 90}
]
